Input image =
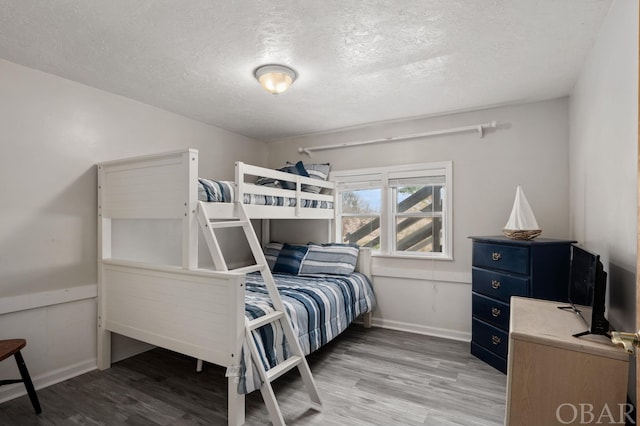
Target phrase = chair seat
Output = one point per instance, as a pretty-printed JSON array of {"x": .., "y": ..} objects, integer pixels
[{"x": 10, "y": 347}]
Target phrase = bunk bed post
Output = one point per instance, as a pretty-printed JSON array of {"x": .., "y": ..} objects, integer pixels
[
  {"x": 335, "y": 224},
  {"x": 364, "y": 267},
  {"x": 190, "y": 222},
  {"x": 239, "y": 195},
  {"x": 364, "y": 261},
  {"x": 104, "y": 252},
  {"x": 265, "y": 232},
  {"x": 330, "y": 230},
  {"x": 236, "y": 400},
  {"x": 236, "y": 403},
  {"x": 298, "y": 196}
]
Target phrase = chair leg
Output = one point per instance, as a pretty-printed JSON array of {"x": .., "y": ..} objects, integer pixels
[{"x": 31, "y": 391}]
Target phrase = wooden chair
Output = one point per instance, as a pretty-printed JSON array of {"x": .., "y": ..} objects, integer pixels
[{"x": 13, "y": 347}]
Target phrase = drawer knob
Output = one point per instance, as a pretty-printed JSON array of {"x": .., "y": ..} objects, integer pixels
[
  {"x": 495, "y": 312},
  {"x": 495, "y": 339},
  {"x": 495, "y": 256},
  {"x": 495, "y": 284}
]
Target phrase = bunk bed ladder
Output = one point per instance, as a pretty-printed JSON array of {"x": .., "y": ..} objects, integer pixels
[{"x": 297, "y": 358}]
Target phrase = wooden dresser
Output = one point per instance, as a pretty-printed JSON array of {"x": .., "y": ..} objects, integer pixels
[
  {"x": 553, "y": 377},
  {"x": 502, "y": 268}
]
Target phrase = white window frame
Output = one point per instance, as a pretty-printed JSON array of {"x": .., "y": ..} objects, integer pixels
[{"x": 365, "y": 178}]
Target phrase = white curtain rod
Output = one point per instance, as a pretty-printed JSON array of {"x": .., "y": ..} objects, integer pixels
[{"x": 475, "y": 128}]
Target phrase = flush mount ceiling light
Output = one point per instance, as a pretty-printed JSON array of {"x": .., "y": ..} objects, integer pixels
[{"x": 275, "y": 78}]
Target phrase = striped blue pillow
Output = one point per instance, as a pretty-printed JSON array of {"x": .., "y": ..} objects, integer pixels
[
  {"x": 271, "y": 253},
  {"x": 215, "y": 190},
  {"x": 290, "y": 259},
  {"x": 336, "y": 259}
]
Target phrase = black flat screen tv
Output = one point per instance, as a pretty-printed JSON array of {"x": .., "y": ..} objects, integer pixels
[{"x": 587, "y": 290}]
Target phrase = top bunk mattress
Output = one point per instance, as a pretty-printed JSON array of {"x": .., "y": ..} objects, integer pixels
[{"x": 220, "y": 191}]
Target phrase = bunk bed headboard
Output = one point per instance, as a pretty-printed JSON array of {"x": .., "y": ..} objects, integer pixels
[{"x": 159, "y": 186}]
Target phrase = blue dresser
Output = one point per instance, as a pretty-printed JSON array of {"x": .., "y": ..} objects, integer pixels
[{"x": 502, "y": 268}]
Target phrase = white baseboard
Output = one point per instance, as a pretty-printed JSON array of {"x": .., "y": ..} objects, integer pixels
[
  {"x": 462, "y": 336},
  {"x": 50, "y": 378}
]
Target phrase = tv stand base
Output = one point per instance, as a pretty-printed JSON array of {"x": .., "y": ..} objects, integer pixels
[{"x": 548, "y": 370}]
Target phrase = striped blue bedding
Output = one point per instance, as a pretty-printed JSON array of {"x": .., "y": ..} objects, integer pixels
[
  {"x": 219, "y": 191},
  {"x": 320, "y": 308}
]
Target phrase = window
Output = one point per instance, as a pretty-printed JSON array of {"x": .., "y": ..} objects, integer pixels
[
  {"x": 403, "y": 210},
  {"x": 361, "y": 216}
]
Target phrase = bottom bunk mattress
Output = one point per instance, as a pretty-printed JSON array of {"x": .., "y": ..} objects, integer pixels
[{"x": 320, "y": 308}]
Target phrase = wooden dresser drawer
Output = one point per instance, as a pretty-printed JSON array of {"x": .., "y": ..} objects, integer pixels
[
  {"x": 498, "y": 285},
  {"x": 490, "y": 337},
  {"x": 491, "y": 311},
  {"x": 502, "y": 256}
]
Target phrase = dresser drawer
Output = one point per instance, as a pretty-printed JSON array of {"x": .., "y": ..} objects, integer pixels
[
  {"x": 491, "y": 311},
  {"x": 489, "y": 357},
  {"x": 490, "y": 337},
  {"x": 502, "y": 256},
  {"x": 498, "y": 285}
]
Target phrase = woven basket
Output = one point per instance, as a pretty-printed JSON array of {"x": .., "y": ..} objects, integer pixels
[{"x": 521, "y": 234}]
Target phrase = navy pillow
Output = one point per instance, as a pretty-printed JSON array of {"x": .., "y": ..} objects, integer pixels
[
  {"x": 296, "y": 169},
  {"x": 290, "y": 259},
  {"x": 315, "y": 171}
]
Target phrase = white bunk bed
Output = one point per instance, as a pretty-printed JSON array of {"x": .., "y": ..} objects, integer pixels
[{"x": 197, "y": 312}]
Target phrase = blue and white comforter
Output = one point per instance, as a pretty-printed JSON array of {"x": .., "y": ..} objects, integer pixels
[
  {"x": 220, "y": 191},
  {"x": 320, "y": 308}
]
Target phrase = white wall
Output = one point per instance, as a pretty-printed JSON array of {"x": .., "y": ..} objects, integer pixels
[
  {"x": 530, "y": 148},
  {"x": 604, "y": 158},
  {"x": 52, "y": 132}
]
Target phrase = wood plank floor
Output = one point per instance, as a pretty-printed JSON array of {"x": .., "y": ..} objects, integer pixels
[{"x": 365, "y": 377}]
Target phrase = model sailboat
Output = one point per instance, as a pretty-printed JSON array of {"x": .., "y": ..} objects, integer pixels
[{"x": 522, "y": 224}]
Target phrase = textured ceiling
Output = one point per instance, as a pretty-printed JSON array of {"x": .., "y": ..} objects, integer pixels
[{"x": 358, "y": 61}]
